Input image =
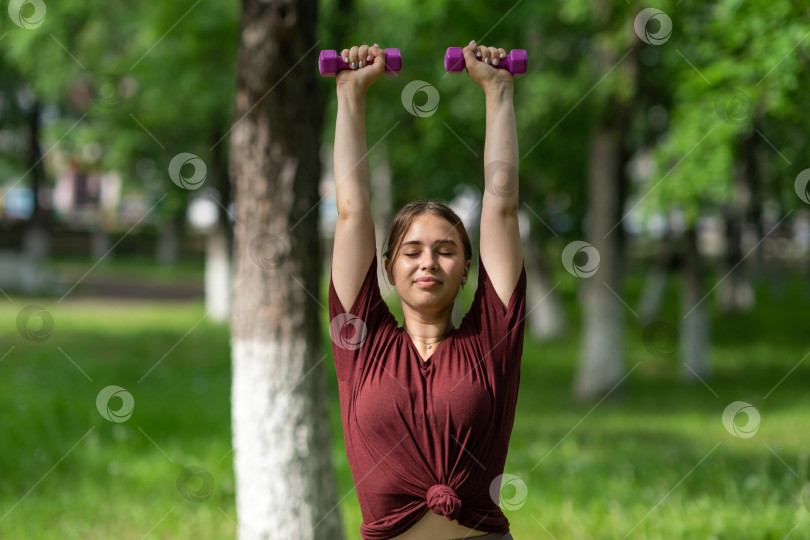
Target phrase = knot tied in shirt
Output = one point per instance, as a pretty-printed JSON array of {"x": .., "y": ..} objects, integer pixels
[{"x": 443, "y": 500}]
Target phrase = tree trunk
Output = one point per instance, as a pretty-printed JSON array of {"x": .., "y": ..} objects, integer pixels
[
  {"x": 655, "y": 284},
  {"x": 36, "y": 238},
  {"x": 602, "y": 361},
  {"x": 694, "y": 333},
  {"x": 547, "y": 320},
  {"x": 217, "y": 275},
  {"x": 736, "y": 292},
  {"x": 219, "y": 242},
  {"x": 167, "y": 251},
  {"x": 383, "y": 212},
  {"x": 282, "y": 453}
]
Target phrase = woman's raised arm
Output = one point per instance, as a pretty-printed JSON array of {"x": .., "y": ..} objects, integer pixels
[
  {"x": 500, "y": 247},
  {"x": 354, "y": 233}
]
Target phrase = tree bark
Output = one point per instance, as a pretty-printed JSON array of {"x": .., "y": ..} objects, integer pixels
[
  {"x": 655, "y": 283},
  {"x": 601, "y": 363},
  {"x": 383, "y": 212},
  {"x": 602, "y": 360},
  {"x": 736, "y": 292},
  {"x": 217, "y": 274},
  {"x": 167, "y": 250},
  {"x": 547, "y": 320},
  {"x": 219, "y": 243},
  {"x": 284, "y": 476},
  {"x": 36, "y": 238},
  {"x": 694, "y": 333}
]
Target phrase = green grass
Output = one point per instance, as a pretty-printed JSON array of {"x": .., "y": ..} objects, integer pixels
[
  {"x": 127, "y": 267},
  {"x": 653, "y": 461}
]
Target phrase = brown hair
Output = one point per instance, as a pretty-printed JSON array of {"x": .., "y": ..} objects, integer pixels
[{"x": 408, "y": 214}]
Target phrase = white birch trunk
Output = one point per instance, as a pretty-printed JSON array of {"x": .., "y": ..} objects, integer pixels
[
  {"x": 383, "y": 213},
  {"x": 217, "y": 276},
  {"x": 279, "y": 455},
  {"x": 655, "y": 283},
  {"x": 547, "y": 319},
  {"x": 694, "y": 332},
  {"x": 284, "y": 475},
  {"x": 602, "y": 354}
]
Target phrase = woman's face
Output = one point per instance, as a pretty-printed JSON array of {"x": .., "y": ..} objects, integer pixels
[{"x": 430, "y": 265}]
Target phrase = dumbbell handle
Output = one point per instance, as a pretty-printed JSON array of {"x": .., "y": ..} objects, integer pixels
[
  {"x": 516, "y": 61},
  {"x": 330, "y": 62}
]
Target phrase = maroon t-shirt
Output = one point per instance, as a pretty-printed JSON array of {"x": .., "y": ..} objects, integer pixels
[{"x": 428, "y": 435}]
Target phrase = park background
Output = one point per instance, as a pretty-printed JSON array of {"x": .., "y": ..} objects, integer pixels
[{"x": 165, "y": 231}]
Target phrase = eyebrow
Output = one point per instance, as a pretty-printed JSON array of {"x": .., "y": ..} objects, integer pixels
[{"x": 417, "y": 242}]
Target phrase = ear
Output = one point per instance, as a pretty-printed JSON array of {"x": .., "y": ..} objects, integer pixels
[
  {"x": 388, "y": 272},
  {"x": 466, "y": 274}
]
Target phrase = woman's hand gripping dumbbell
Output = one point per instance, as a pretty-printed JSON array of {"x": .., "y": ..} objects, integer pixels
[
  {"x": 330, "y": 62},
  {"x": 516, "y": 62}
]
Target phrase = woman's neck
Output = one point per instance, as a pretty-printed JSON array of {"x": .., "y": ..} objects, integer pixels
[{"x": 428, "y": 328}]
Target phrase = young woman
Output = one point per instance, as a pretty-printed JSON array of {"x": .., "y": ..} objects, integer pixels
[{"x": 427, "y": 408}]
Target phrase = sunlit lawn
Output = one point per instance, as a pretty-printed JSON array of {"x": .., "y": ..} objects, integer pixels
[{"x": 653, "y": 461}]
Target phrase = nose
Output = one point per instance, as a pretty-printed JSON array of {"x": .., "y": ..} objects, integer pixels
[{"x": 428, "y": 260}]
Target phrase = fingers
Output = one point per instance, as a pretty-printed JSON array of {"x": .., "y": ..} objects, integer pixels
[
  {"x": 500, "y": 54},
  {"x": 483, "y": 54},
  {"x": 377, "y": 54},
  {"x": 359, "y": 56},
  {"x": 488, "y": 55},
  {"x": 354, "y": 56},
  {"x": 363, "y": 57},
  {"x": 470, "y": 52}
]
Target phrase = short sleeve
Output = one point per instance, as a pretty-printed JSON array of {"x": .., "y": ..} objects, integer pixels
[
  {"x": 354, "y": 333},
  {"x": 499, "y": 333}
]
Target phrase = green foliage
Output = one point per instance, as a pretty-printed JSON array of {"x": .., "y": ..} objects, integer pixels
[
  {"x": 586, "y": 64},
  {"x": 146, "y": 81},
  {"x": 748, "y": 66}
]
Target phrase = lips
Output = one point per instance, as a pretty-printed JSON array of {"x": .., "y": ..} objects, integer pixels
[{"x": 427, "y": 280}]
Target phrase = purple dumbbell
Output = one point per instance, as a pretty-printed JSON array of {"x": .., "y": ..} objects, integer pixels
[
  {"x": 516, "y": 61},
  {"x": 330, "y": 62}
]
